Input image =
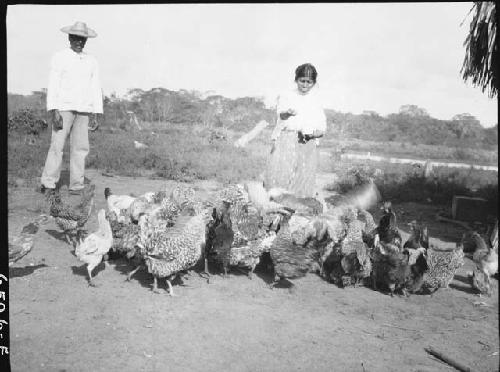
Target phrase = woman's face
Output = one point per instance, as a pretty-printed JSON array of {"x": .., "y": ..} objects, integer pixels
[{"x": 304, "y": 84}]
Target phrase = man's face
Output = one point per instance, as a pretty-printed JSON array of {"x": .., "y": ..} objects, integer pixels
[{"x": 77, "y": 43}]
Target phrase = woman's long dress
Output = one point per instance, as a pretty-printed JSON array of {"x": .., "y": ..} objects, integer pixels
[{"x": 293, "y": 165}]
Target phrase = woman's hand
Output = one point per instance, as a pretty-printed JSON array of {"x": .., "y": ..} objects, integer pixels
[{"x": 286, "y": 114}]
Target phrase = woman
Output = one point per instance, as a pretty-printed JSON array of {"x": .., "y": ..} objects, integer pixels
[{"x": 301, "y": 121}]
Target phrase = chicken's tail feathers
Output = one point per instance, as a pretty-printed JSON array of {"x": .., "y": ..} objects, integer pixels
[
  {"x": 363, "y": 197},
  {"x": 107, "y": 192}
]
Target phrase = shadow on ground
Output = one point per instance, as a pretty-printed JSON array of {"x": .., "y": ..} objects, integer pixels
[{"x": 16, "y": 272}]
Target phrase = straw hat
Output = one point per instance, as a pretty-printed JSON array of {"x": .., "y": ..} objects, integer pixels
[{"x": 80, "y": 29}]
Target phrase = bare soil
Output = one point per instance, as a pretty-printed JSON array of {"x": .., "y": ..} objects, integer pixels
[{"x": 59, "y": 323}]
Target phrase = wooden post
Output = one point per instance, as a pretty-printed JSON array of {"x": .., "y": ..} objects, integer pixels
[
  {"x": 247, "y": 137},
  {"x": 448, "y": 360}
]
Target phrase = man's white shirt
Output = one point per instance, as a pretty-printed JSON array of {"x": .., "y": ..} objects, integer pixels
[{"x": 74, "y": 83}]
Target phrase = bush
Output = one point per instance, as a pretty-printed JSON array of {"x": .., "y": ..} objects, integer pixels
[
  {"x": 25, "y": 121},
  {"x": 404, "y": 183}
]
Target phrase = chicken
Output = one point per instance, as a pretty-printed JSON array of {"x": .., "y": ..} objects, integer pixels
[
  {"x": 387, "y": 228},
  {"x": 494, "y": 236},
  {"x": 349, "y": 262},
  {"x": 71, "y": 219},
  {"x": 142, "y": 205},
  {"x": 126, "y": 236},
  {"x": 23, "y": 243},
  {"x": 392, "y": 270},
  {"x": 92, "y": 249},
  {"x": 165, "y": 209},
  {"x": 417, "y": 272},
  {"x": 249, "y": 255},
  {"x": 308, "y": 205},
  {"x": 172, "y": 250},
  {"x": 118, "y": 203},
  {"x": 419, "y": 237},
  {"x": 485, "y": 259},
  {"x": 478, "y": 281},
  {"x": 369, "y": 227},
  {"x": 294, "y": 251},
  {"x": 442, "y": 266},
  {"x": 223, "y": 236},
  {"x": 356, "y": 265},
  {"x": 233, "y": 210},
  {"x": 255, "y": 192}
]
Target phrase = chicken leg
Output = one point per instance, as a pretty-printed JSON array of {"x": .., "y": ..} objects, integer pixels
[
  {"x": 155, "y": 285},
  {"x": 205, "y": 274},
  {"x": 129, "y": 276},
  {"x": 89, "y": 270},
  {"x": 69, "y": 240},
  {"x": 170, "y": 289}
]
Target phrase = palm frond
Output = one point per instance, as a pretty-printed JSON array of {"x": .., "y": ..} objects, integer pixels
[{"x": 481, "y": 57}]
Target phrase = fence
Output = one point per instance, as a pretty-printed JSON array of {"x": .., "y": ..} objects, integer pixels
[{"x": 426, "y": 163}]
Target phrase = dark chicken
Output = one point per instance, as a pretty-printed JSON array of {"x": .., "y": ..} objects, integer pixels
[{"x": 387, "y": 228}]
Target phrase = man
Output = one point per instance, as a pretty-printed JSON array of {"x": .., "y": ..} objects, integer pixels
[{"x": 74, "y": 98}]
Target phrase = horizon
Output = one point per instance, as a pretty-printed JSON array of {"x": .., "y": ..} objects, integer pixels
[{"x": 415, "y": 51}]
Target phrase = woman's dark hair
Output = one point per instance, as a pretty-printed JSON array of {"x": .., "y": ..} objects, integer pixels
[{"x": 306, "y": 70}]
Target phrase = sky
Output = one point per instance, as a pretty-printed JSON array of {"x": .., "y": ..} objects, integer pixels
[{"x": 369, "y": 56}]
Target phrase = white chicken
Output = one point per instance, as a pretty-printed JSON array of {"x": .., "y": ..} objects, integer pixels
[
  {"x": 92, "y": 249},
  {"x": 117, "y": 203},
  {"x": 139, "y": 145}
]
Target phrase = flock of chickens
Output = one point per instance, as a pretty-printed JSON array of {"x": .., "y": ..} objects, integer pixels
[{"x": 169, "y": 233}]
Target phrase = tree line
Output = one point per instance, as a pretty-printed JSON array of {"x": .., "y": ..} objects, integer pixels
[{"x": 159, "y": 105}]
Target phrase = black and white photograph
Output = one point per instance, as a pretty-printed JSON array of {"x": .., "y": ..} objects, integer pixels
[{"x": 269, "y": 187}]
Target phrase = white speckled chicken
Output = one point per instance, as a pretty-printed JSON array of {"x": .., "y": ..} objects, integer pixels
[
  {"x": 170, "y": 206},
  {"x": 169, "y": 251},
  {"x": 92, "y": 249},
  {"x": 442, "y": 266},
  {"x": 71, "y": 219}
]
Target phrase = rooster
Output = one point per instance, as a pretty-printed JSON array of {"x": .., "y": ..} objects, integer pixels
[
  {"x": 92, "y": 249},
  {"x": 71, "y": 219}
]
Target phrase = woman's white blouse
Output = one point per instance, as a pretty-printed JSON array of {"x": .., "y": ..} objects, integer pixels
[{"x": 310, "y": 113}]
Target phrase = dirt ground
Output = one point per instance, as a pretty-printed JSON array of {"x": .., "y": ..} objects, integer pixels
[{"x": 59, "y": 323}]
